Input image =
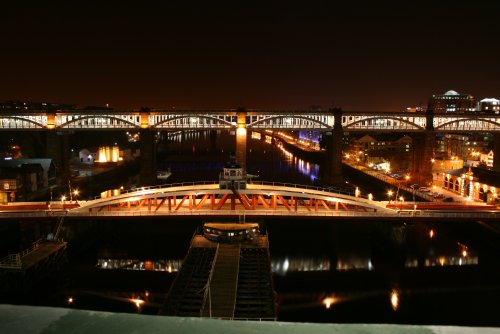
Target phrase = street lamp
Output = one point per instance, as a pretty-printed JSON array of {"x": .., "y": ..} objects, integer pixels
[
  {"x": 63, "y": 198},
  {"x": 76, "y": 192},
  {"x": 389, "y": 194}
]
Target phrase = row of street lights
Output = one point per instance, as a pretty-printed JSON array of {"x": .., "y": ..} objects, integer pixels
[{"x": 75, "y": 193}]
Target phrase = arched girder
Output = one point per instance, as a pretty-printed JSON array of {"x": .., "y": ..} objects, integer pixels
[
  {"x": 352, "y": 125},
  {"x": 224, "y": 123},
  {"x": 283, "y": 125},
  {"x": 22, "y": 119},
  {"x": 483, "y": 124},
  {"x": 213, "y": 189},
  {"x": 78, "y": 118}
]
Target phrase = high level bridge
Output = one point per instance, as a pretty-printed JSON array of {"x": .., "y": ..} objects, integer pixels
[
  {"x": 334, "y": 122},
  {"x": 259, "y": 199}
]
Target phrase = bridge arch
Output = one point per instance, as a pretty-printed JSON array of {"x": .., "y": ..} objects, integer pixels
[
  {"x": 224, "y": 123},
  {"x": 210, "y": 199},
  {"x": 352, "y": 125},
  {"x": 284, "y": 125},
  {"x": 5, "y": 121},
  {"x": 463, "y": 124},
  {"x": 79, "y": 118}
]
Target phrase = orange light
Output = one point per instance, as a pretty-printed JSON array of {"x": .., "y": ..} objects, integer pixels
[
  {"x": 395, "y": 300},
  {"x": 137, "y": 302},
  {"x": 431, "y": 234},
  {"x": 328, "y": 301}
]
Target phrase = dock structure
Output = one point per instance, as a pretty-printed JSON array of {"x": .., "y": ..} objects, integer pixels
[
  {"x": 224, "y": 280},
  {"x": 19, "y": 271}
]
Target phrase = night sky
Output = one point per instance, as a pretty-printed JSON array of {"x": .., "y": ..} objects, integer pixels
[{"x": 373, "y": 55}]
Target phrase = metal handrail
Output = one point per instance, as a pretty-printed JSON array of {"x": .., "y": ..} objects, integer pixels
[
  {"x": 207, "y": 287},
  {"x": 266, "y": 183},
  {"x": 15, "y": 260}
]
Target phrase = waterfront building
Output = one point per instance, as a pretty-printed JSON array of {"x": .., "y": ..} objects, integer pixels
[
  {"x": 465, "y": 146},
  {"x": 20, "y": 179},
  {"x": 475, "y": 184},
  {"x": 489, "y": 105},
  {"x": 452, "y": 102},
  {"x": 394, "y": 148}
]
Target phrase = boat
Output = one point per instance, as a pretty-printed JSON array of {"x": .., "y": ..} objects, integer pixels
[
  {"x": 230, "y": 232},
  {"x": 163, "y": 174}
]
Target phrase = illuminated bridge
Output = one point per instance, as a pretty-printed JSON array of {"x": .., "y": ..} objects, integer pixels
[
  {"x": 334, "y": 123},
  {"x": 260, "y": 199},
  {"x": 251, "y": 119}
]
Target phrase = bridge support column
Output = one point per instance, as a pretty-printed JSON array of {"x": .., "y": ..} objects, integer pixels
[
  {"x": 241, "y": 140},
  {"x": 423, "y": 152},
  {"x": 496, "y": 152},
  {"x": 147, "y": 174},
  {"x": 57, "y": 148},
  {"x": 333, "y": 174}
]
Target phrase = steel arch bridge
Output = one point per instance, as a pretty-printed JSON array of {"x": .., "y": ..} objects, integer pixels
[
  {"x": 258, "y": 198},
  {"x": 165, "y": 120}
]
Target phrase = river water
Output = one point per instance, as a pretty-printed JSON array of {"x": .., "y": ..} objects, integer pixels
[{"x": 323, "y": 270}]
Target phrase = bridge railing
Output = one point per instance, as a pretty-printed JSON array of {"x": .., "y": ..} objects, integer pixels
[
  {"x": 14, "y": 261},
  {"x": 336, "y": 190}
]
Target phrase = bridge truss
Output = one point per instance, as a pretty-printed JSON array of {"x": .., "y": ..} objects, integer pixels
[{"x": 257, "y": 198}]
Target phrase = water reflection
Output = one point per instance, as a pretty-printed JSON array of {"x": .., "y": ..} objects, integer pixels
[
  {"x": 303, "y": 167},
  {"x": 282, "y": 266},
  {"x": 134, "y": 264}
]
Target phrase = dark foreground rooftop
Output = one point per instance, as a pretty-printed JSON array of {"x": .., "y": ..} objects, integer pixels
[{"x": 44, "y": 320}]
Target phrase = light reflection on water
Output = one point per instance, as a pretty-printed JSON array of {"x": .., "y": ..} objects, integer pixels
[
  {"x": 135, "y": 264},
  {"x": 303, "y": 167}
]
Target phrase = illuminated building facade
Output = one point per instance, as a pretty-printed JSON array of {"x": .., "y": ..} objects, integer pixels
[
  {"x": 395, "y": 148},
  {"x": 452, "y": 102},
  {"x": 465, "y": 146},
  {"x": 489, "y": 105},
  {"x": 473, "y": 184}
]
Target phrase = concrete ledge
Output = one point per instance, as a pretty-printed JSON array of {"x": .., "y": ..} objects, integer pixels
[{"x": 44, "y": 320}]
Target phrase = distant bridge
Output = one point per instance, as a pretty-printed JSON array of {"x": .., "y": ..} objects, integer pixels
[{"x": 164, "y": 120}]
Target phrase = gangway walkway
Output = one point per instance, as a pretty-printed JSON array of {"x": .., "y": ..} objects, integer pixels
[
  {"x": 222, "y": 285},
  {"x": 225, "y": 281}
]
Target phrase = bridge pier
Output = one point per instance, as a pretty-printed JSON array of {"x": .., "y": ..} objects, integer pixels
[
  {"x": 333, "y": 174},
  {"x": 241, "y": 140},
  {"x": 423, "y": 152},
  {"x": 57, "y": 148},
  {"x": 496, "y": 151},
  {"x": 147, "y": 174}
]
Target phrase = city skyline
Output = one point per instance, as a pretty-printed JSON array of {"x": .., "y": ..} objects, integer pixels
[{"x": 363, "y": 56}]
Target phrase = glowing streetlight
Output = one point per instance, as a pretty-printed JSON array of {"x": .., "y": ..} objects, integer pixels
[
  {"x": 431, "y": 234},
  {"x": 70, "y": 300},
  {"x": 389, "y": 194},
  {"x": 370, "y": 197},
  {"x": 76, "y": 193},
  {"x": 357, "y": 192},
  {"x": 401, "y": 199}
]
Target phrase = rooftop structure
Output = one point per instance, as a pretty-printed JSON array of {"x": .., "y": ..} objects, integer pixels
[{"x": 452, "y": 102}]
